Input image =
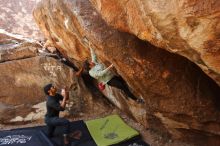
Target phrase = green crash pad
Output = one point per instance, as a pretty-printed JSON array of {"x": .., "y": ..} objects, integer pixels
[{"x": 110, "y": 130}]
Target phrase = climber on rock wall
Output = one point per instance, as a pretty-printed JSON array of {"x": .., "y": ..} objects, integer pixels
[{"x": 105, "y": 76}]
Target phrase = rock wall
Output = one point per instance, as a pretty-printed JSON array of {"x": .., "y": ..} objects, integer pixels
[
  {"x": 186, "y": 27},
  {"x": 24, "y": 73},
  {"x": 16, "y": 17},
  {"x": 180, "y": 100},
  {"x": 22, "y": 83}
]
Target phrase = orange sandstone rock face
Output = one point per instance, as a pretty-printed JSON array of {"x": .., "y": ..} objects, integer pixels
[
  {"x": 25, "y": 70},
  {"x": 186, "y": 27},
  {"x": 16, "y": 17},
  {"x": 180, "y": 100},
  {"x": 22, "y": 83}
]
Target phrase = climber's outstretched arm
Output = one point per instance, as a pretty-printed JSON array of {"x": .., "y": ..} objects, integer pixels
[{"x": 96, "y": 74}]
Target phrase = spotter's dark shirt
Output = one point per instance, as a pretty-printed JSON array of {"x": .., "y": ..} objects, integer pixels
[{"x": 53, "y": 106}]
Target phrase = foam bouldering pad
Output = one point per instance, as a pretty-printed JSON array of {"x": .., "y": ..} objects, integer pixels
[{"x": 110, "y": 130}]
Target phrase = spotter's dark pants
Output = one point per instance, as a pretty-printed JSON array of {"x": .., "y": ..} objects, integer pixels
[{"x": 53, "y": 122}]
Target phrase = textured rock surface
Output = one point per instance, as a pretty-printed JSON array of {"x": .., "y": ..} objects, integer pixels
[
  {"x": 23, "y": 75},
  {"x": 186, "y": 27},
  {"x": 22, "y": 82},
  {"x": 180, "y": 100},
  {"x": 13, "y": 47},
  {"x": 16, "y": 17}
]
